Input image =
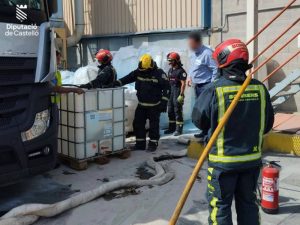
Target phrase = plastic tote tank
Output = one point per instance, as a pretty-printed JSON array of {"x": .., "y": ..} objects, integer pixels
[{"x": 92, "y": 124}]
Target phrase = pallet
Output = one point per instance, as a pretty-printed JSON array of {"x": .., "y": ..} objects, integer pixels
[{"x": 82, "y": 164}]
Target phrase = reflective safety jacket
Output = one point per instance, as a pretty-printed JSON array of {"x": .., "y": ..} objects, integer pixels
[
  {"x": 239, "y": 144},
  {"x": 106, "y": 76},
  {"x": 152, "y": 86},
  {"x": 57, "y": 81}
]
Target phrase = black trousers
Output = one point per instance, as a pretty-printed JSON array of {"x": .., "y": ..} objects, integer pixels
[
  {"x": 199, "y": 88},
  {"x": 174, "y": 108},
  {"x": 139, "y": 123},
  {"x": 223, "y": 186}
]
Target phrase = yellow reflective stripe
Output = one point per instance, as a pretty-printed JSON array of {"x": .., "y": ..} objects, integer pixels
[
  {"x": 234, "y": 159},
  {"x": 210, "y": 187},
  {"x": 214, "y": 212},
  {"x": 261, "y": 90},
  {"x": 210, "y": 170},
  {"x": 56, "y": 97},
  {"x": 165, "y": 98},
  {"x": 262, "y": 115},
  {"x": 221, "y": 112},
  {"x": 209, "y": 178},
  {"x": 140, "y": 139},
  {"x": 251, "y": 87},
  {"x": 149, "y": 104},
  {"x": 59, "y": 78},
  {"x": 179, "y": 123},
  {"x": 147, "y": 79}
]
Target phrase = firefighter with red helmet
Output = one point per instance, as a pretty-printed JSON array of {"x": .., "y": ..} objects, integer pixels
[
  {"x": 106, "y": 73},
  {"x": 235, "y": 159},
  {"x": 177, "y": 78}
]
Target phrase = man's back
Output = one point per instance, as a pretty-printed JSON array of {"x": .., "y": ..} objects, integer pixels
[{"x": 239, "y": 143}]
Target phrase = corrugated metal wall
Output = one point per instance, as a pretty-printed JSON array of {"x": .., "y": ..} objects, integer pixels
[{"x": 104, "y": 17}]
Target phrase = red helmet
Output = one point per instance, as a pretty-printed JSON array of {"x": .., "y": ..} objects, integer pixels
[
  {"x": 104, "y": 56},
  {"x": 230, "y": 50},
  {"x": 173, "y": 56}
]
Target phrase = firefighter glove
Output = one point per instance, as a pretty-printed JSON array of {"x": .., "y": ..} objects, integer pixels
[
  {"x": 180, "y": 99},
  {"x": 117, "y": 83}
]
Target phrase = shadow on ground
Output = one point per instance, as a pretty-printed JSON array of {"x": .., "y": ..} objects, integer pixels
[{"x": 40, "y": 189}]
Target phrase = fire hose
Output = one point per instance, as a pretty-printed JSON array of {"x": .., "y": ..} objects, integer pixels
[{"x": 29, "y": 213}]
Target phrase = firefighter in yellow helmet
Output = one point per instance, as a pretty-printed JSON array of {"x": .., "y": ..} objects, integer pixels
[{"x": 153, "y": 90}]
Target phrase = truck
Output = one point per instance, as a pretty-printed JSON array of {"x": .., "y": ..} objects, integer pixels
[{"x": 28, "y": 118}]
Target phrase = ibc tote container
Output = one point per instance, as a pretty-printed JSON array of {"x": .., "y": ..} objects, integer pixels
[{"x": 92, "y": 124}]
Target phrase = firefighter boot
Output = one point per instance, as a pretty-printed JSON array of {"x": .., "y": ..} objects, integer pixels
[
  {"x": 171, "y": 129},
  {"x": 178, "y": 131},
  {"x": 139, "y": 146},
  {"x": 152, "y": 146}
]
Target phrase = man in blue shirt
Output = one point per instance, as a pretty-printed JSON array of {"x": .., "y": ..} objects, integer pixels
[{"x": 203, "y": 68}]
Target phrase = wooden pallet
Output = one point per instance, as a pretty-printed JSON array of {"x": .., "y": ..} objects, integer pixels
[{"x": 82, "y": 164}]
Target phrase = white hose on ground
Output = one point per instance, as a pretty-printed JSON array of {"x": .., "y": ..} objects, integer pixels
[
  {"x": 185, "y": 139},
  {"x": 29, "y": 213}
]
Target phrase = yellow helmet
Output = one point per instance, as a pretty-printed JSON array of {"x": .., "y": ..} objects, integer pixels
[{"x": 146, "y": 62}]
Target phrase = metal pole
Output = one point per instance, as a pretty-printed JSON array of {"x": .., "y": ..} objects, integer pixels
[
  {"x": 282, "y": 65},
  {"x": 276, "y": 52},
  {"x": 271, "y": 21},
  {"x": 274, "y": 41}
]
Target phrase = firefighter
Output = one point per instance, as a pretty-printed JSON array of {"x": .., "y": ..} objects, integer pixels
[
  {"x": 235, "y": 159},
  {"x": 106, "y": 73},
  {"x": 177, "y": 78},
  {"x": 152, "y": 86}
]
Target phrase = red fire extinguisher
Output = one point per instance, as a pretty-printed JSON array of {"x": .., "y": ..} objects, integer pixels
[{"x": 270, "y": 188}]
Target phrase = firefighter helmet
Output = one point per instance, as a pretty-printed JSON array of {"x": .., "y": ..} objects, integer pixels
[
  {"x": 173, "y": 56},
  {"x": 104, "y": 56},
  {"x": 146, "y": 62},
  {"x": 229, "y": 51}
]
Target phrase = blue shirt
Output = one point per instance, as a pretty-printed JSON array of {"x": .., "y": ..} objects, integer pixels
[{"x": 203, "y": 67}]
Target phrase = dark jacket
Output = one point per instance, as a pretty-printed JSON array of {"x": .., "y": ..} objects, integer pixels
[
  {"x": 239, "y": 144},
  {"x": 152, "y": 86},
  {"x": 106, "y": 76},
  {"x": 176, "y": 75}
]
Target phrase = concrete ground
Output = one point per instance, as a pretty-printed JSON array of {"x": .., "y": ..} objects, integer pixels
[{"x": 147, "y": 205}]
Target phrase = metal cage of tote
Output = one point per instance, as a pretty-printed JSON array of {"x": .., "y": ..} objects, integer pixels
[{"x": 92, "y": 124}]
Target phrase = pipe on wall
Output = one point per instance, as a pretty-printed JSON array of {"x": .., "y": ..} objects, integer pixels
[
  {"x": 206, "y": 14},
  {"x": 79, "y": 24},
  {"x": 225, "y": 27}
]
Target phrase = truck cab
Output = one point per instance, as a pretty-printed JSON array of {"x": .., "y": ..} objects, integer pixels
[{"x": 28, "y": 118}]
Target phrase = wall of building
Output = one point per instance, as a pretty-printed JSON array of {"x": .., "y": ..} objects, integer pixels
[
  {"x": 84, "y": 53},
  {"x": 107, "y": 17},
  {"x": 235, "y": 27}
]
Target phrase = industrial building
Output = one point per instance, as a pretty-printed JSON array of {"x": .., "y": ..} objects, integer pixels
[
  {"x": 132, "y": 22},
  {"x": 68, "y": 148}
]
